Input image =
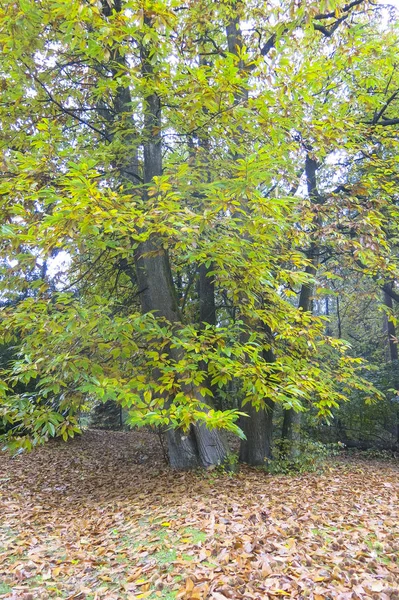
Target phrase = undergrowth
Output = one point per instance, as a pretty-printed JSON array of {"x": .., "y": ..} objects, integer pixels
[{"x": 307, "y": 456}]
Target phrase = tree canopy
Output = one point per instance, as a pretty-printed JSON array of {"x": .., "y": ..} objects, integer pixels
[{"x": 180, "y": 183}]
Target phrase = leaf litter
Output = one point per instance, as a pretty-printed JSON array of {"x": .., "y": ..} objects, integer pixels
[{"x": 103, "y": 518}]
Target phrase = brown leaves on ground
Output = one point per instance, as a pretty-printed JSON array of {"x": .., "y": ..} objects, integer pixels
[{"x": 102, "y": 518}]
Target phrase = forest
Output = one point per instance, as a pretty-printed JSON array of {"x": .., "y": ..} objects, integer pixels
[{"x": 199, "y": 291}]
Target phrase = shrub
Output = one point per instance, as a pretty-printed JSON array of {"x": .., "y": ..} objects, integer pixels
[{"x": 310, "y": 456}]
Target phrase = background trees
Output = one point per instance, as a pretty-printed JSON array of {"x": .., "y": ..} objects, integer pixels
[{"x": 209, "y": 172}]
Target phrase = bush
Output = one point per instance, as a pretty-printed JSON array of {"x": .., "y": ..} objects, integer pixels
[{"x": 310, "y": 456}]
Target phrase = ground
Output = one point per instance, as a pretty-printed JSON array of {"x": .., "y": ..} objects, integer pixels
[{"x": 102, "y": 517}]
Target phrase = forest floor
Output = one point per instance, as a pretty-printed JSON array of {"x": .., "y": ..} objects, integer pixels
[{"x": 102, "y": 517}]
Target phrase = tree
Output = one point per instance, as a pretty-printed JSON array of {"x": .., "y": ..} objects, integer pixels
[{"x": 160, "y": 146}]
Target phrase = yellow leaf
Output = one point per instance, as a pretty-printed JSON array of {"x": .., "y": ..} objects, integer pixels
[
  {"x": 196, "y": 593},
  {"x": 165, "y": 524}
]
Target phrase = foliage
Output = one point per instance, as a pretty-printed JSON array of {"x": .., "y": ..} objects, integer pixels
[
  {"x": 308, "y": 456},
  {"x": 136, "y": 134},
  {"x": 363, "y": 323},
  {"x": 373, "y": 454}
]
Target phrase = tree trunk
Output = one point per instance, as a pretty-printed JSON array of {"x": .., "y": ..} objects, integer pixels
[
  {"x": 258, "y": 426},
  {"x": 390, "y": 326},
  {"x": 157, "y": 293},
  {"x": 154, "y": 279},
  {"x": 291, "y": 430},
  {"x": 206, "y": 292},
  {"x": 212, "y": 445},
  {"x": 339, "y": 322},
  {"x": 393, "y": 346},
  {"x": 182, "y": 449},
  {"x": 258, "y": 429},
  {"x": 207, "y": 316}
]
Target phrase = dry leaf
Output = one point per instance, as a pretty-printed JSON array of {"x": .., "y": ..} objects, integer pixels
[{"x": 92, "y": 512}]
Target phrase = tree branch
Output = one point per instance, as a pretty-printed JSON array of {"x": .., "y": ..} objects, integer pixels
[
  {"x": 66, "y": 111},
  {"x": 345, "y": 8},
  {"x": 387, "y": 289},
  {"x": 329, "y": 32},
  {"x": 379, "y": 114},
  {"x": 385, "y": 122}
]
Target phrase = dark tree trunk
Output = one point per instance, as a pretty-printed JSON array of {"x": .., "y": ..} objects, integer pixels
[
  {"x": 207, "y": 316},
  {"x": 212, "y": 445},
  {"x": 206, "y": 289},
  {"x": 291, "y": 430},
  {"x": 182, "y": 449},
  {"x": 153, "y": 272},
  {"x": 154, "y": 276},
  {"x": 393, "y": 346},
  {"x": 390, "y": 326},
  {"x": 158, "y": 294},
  {"x": 339, "y": 322},
  {"x": 258, "y": 427}
]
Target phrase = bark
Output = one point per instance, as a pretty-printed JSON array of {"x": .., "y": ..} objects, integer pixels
[
  {"x": 158, "y": 294},
  {"x": 207, "y": 316},
  {"x": 212, "y": 444},
  {"x": 339, "y": 322},
  {"x": 291, "y": 430},
  {"x": 182, "y": 449},
  {"x": 393, "y": 346},
  {"x": 258, "y": 429},
  {"x": 388, "y": 289},
  {"x": 153, "y": 272},
  {"x": 206, "y": 290},
  {"x": 258, "y": 426},
  {"x": 328, "y": 328},
  {"x": 390, "y": 326}
]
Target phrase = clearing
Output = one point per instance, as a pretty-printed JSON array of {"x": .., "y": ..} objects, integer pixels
[{"x": 101, "y": 517}]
